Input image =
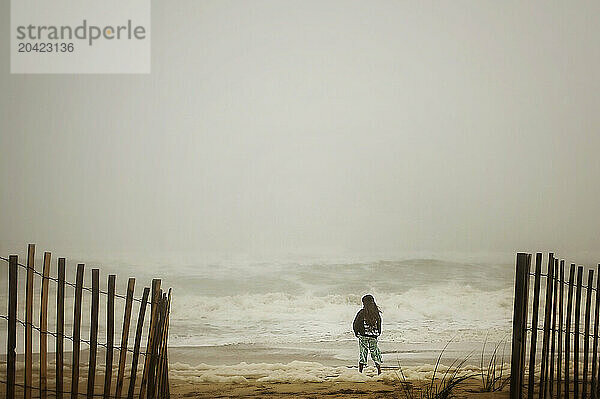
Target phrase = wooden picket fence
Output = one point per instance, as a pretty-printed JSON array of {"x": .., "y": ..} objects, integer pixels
[
  {"x": 565, "y": 368},
  {"x": 154, "y": 381}
]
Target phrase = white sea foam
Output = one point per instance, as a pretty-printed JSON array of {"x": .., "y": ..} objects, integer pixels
[
  {"x": 434, "y": 313},
  {"x": 301, "y": 372}
]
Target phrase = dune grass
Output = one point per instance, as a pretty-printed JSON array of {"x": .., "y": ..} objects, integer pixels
[
  {"x": 493, "y": 378},
  {"x": 440, "y": 386}
]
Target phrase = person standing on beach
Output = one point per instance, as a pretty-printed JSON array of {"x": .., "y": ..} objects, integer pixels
[{"x": 367, "y": 327}]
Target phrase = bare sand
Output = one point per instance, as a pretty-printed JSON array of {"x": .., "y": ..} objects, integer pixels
[
  {"x": 249, "y": 371},
  {"x": 316, "y": 390}
]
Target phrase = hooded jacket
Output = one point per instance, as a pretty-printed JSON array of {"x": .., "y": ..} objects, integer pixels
[{"x": 363, "y": 328}]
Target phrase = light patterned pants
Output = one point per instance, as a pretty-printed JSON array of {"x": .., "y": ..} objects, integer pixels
[{"x": 366, "y": 345}]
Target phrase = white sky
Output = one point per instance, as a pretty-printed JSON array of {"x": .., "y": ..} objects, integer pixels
[{"x": 317, "y": 126}]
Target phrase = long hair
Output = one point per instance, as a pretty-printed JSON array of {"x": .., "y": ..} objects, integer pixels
[{"x": 372, "y": 311}]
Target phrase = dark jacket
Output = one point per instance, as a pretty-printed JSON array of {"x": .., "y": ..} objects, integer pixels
[{"x": 363, "y": 328}]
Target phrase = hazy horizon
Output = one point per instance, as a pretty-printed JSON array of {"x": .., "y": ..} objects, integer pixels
[{"x": 306, "y": 127}]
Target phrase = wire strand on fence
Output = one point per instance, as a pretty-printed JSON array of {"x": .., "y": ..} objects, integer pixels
[
  {"x": 54, "y": 391},
  {"x": 583, "y": 286},
  {"x": 540, "y": 330},
  {"x": 55, "y": 335},
  {"x": 70, "y": 283}
]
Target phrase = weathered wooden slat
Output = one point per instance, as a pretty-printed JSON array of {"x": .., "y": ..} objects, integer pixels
[
  {"x": 519, "y": 324},
  {"x": 560, "y": 328},
  {"x": 93, "y": 333},
  {"x": 534, "y": 323},
  {"x": 577, "y": 332},
  {"x": 110, "y": 333},
  {"x": 568, "y": 332},
  {"x": 553, "y": 335},
  {"x": 76, "y": 331},
  {"x": 161, "y": 348},
  {"x": 125, "y": 336},
  {"x": 163, "y": 364},
  {"x": 28, "y": 376},
  {"x": 595, "y": 342},
  {"x": 11, "y": 344},
  {"x": 152, "y": 375},
  {"x": 60, "y": 327},
  {"x": 547, "y": 323},
  {"x": 525, "y": 309},
  {"x": 167, "y": 393},
  {"x": 44, "y": 327},
  {"x": 159, "y": 366},
  {"x": 138, "y": 340},
  {"x": 151, "y": 382},
  {"x": 586, "y": 329},
  {"x": 153, "y": 317}
]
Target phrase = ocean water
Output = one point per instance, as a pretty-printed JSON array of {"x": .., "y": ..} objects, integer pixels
[
  {"x": 297, "y": 303},
  {"x": 422, "y": 301}
]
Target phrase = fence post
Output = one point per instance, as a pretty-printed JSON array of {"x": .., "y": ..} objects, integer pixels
[
  {"x": 11, "y": 356},
  {"x": 595, "y": 343},
  {"x": 125, "y": 336},
  {"x": 28, "y": 377},
  {"x": 553, "y": 337},
  {"x": 152, "y": 375},
  {"x": 560, "y": 328},
  {"x": 76, "y": 331},
  {"x": 163, "y": 362},
  {"x": 568, "y": 332},
  {"x": 577, "y": 333},
  {"x": 60, "y": 327},
  {"x": 44, "y": 327},
  {"x": 110, "y": 333},
  {"x": 167, "y": 386},
  {"x": 93, "y": 333},
  {"x": 547, "y": 321},
  {"x": 586, "y": 329},
  {"x": 534, "y": 322},
  {"x": 154, "y": 308},
  {"x": 519, "y": 324},
  {"x": 138, "y": 340},
  {"x": 160, "y": 347}
]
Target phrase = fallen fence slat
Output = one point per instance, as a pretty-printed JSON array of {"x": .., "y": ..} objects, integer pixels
[
  {"x": 76, "y": 331},
  {"x": 110, "y": 332},
  {"x": 125, "y": 336}
]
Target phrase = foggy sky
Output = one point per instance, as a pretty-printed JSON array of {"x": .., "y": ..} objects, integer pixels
[{"x": 307, "y": 126}]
